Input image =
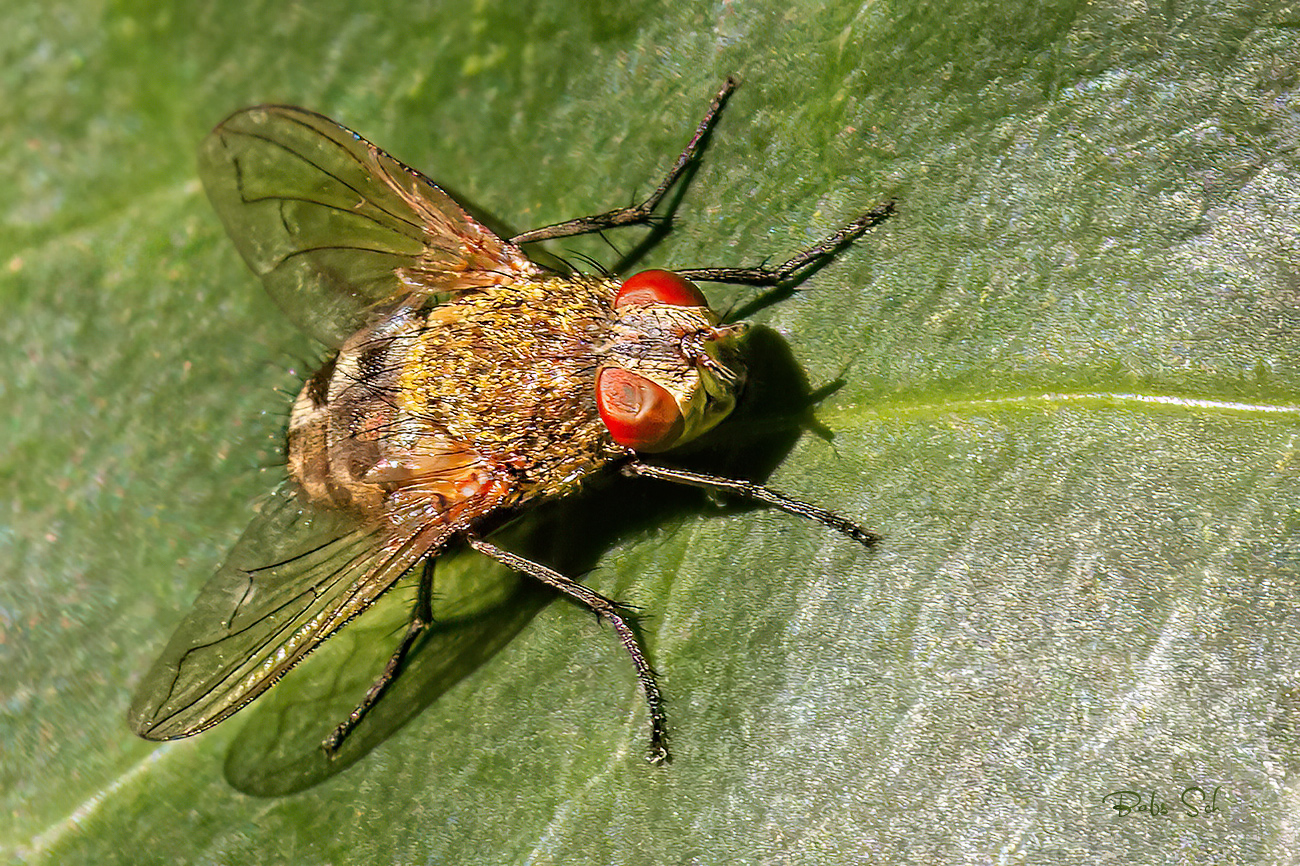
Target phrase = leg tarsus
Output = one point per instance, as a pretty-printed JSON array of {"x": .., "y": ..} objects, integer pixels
[
  {"x": 757, "y": 492},
  {"x": 796, "y": 267}
]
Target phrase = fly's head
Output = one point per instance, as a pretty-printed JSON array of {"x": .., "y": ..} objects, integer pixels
[{"x": 670, "y": 372}]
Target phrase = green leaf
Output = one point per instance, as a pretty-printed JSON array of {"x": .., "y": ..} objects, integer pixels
[{"x": 1063, "y": 383}]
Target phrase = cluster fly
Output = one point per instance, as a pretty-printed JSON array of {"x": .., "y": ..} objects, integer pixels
[{"x": 467, "y": 382}]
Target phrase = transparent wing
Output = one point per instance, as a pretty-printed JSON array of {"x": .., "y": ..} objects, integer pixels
[
  {"x": 333, "y": 225},
  {"x": 295, "y": 576}
]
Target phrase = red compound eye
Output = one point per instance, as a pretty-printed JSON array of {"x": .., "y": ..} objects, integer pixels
[
  {"x": 639, "y": 414},
  {"x": 659, "y": 287}
]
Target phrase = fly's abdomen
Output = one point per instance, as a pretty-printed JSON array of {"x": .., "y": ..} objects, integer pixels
[{"x": 346, "y": 429}]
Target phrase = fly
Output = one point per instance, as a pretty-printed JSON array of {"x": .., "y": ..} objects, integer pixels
[{"x": 467, "y": 383}]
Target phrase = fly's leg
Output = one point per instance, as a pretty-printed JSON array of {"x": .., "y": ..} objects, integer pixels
[
  {"x": 757, "y": 492},
  {"x": 811, "y": 258},
  {"x": 643, "y": 212},
  {"x": 421, "y": 619},
  {"x": 609, "y": 611}
]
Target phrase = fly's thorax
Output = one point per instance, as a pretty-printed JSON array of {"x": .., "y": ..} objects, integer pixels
[
  {"x": 509, "y": 372},
  {"x": 670, "y": 371}
]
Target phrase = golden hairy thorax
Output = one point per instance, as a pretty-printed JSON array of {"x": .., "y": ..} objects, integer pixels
[{"x": 444, "y": 413}]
